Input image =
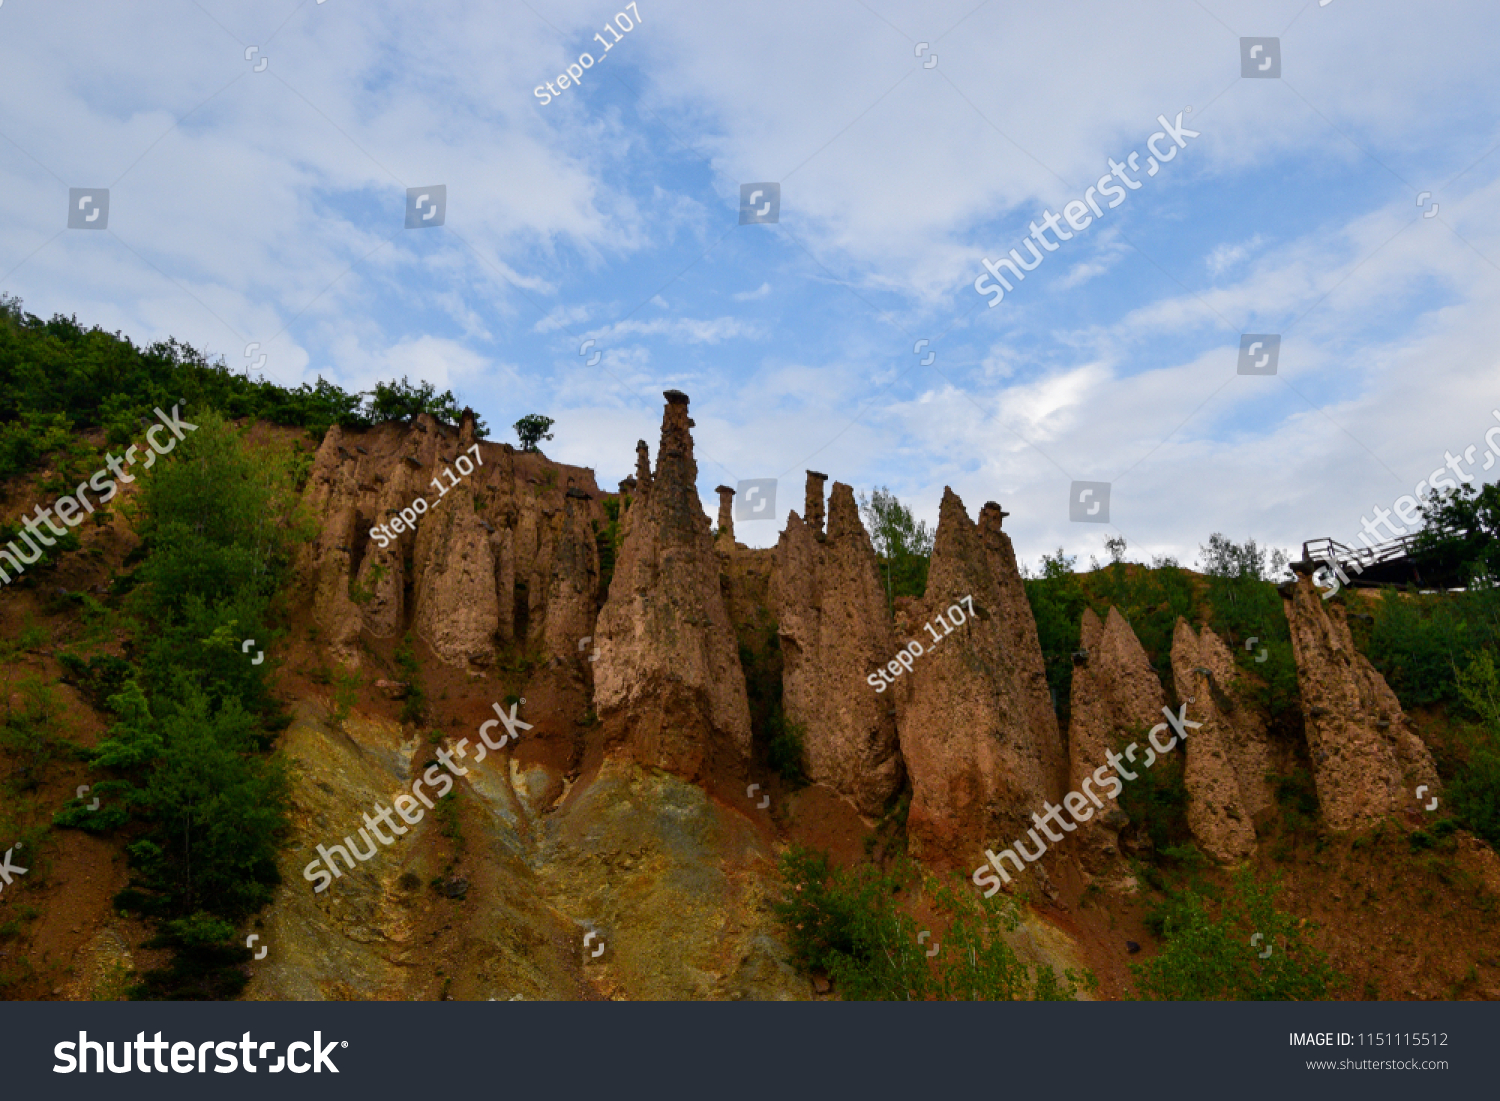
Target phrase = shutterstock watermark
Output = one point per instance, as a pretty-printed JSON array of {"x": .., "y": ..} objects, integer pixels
[
  {"x": 409, "y": 807},
  {"x": 906, "y": 657},
  {"x": 574, "y": 73},
  {"x": 189, "y": 1058},
  {"x": 406, "y": 519},
  {"x": 7, "y": 869},
  {"x": 1077, "y": 805},
  {"x": 1076, "y": 213},
  {"x": 72, "y": 508},
  {"x": 1404, "y": 508}
]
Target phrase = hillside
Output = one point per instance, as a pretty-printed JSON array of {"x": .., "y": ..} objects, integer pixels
[{"x": 528, "y": 718}]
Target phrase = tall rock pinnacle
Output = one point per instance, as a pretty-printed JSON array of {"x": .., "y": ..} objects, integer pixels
[
  {"x": 829, "y": 604},
  {"x": 977, "y": 729},
  {"x": 1367, "y": 762},
  {"x": 668, "y": 685}
]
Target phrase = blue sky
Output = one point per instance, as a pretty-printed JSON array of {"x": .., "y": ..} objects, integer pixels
[{"x": 268, "y": 207}]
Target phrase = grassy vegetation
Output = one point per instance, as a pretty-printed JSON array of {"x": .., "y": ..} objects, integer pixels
[
  {"x": 1213, "y": 953},
  {"x": 609, "y": 538},
  {"x": 414, "y": 707},
  {"x": 850, "y": 925}
]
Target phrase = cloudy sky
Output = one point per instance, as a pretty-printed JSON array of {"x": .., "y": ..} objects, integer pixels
[{"x": 258, "y": 158}]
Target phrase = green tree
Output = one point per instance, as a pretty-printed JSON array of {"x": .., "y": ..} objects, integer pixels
[
  {"x": 1057, "y": 600},
  {"x": 403, "y": 401},
  {"x": 532, "y": 429},
  {"x": 219, "y": 527},
  {"x": 219, "y": 809},
  {"x": 1461, "y": 536},
  {"x": 902, "y": 542}
]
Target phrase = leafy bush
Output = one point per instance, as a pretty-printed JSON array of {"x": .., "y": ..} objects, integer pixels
[
  {"x": 1474, "y": 793},
  {"x": 848, "y": 924},
  {"x": 786, "y": 753},
  {"x": 1418, "y": 641},
  {"x": 29, "y": 734},
  {"x": 205, "y": 966},
  {"x": 1156, "y": 800},
  {"x": 403, "y": 401},
  {"x": 99, "y": 678},
  {"x": 1209, "y": 954}
]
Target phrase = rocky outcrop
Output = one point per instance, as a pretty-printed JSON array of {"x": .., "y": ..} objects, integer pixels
[
  {"x": 1117, "y": 696},
  {"x": 1229, "y": 756},
  {"x": 504, "y": 555},
  {"x": 677, "y": 885},
  {"x": 829, "y": 604},
  {"x": 668, "y": 685},
  {"x": 977, "y": 732},
  {"x": 1366, "y": 760},
  {"x": 813, "y": 501},
  {"x": 1017, "y": 624},
  {"x": 726, "y": 512}
]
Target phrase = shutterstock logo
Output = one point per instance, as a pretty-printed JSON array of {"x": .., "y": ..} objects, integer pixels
[
  {"x": 755, "y": 499},
  {"x": 1260, "y": 57},
  {"x": 1089, "y": 503},
  {"x": 426, "y": 207},
  {"x": 88, "y": 208},
  {"x": 760, "y": 202},
  {"x": 1259, "y": 353}
]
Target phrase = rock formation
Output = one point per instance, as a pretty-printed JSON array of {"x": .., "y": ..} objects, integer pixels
[
  {"x": 1117, "y": 697},
  {"x": 507, "y": 554},
  {"x": 829, "y": 604},
  {"x": 813, "y": 508},
  {"x": 726, "y": 512},
  {"x": 1367, "y": 763},
  {"x": 1229, "y": 756},
  {"x": 1116, "y": 694},
  {"x": 668, "y": 685},
  {"x": 977, "y": 732},
  {"x": 1018, "y": 628}
]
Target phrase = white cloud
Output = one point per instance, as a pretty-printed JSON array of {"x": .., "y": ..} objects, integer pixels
[{"x": 1226, "y": 256}]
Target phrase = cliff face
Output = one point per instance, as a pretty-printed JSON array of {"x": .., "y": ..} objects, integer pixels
[
  {"x": 1229, "y": 756},
  {"x": 668, "y": 685},
  {"x": 505, "y": 555},
  {"x": 673, "y": 883},
  {"x": 1367, "y": 763},
  {"x": 829, "y": 604},
  {"x": 978, "y": 738}
]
